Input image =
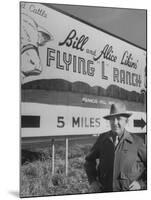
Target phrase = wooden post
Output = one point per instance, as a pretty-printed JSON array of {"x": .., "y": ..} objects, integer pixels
[
  {"x": 53, "y": 156},
  {"x": 145, "y": 104},
  {"x": 66, "y": 162}
]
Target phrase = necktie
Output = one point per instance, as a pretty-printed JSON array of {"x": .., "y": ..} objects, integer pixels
[{"x": 116, "y": 141}]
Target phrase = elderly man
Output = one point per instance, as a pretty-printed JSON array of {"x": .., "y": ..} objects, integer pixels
[{"x": 121, "y": 157}]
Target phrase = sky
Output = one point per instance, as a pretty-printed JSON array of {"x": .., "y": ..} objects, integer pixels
[{"x": 129, "y": 24}]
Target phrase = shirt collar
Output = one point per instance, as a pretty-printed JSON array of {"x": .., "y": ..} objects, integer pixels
[{"x": 126, "y": 136}]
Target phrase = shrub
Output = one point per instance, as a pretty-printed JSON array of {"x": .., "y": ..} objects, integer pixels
[{"x": 58, "y": 180}]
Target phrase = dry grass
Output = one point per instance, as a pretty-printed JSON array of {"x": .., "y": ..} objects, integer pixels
[{"x": 37, "y": 179}]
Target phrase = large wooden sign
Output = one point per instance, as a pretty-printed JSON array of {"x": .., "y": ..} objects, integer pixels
[{"x": 64, "y": 54}]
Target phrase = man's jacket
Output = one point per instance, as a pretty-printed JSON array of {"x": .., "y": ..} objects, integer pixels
[{"x": 117, "y": 167}]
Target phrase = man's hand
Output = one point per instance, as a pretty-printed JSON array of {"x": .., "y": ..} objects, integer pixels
[
  {"x": 134, "y": 186},
  {"x": 95, "y": 186}
]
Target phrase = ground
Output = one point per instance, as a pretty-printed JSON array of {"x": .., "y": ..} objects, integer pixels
[{"x": 36, "y": 170}]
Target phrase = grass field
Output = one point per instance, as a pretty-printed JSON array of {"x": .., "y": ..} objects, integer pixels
[{"x": 36, "y": 176}]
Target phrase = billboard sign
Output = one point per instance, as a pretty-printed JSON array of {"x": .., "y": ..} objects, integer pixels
[{"x": 61, "y": 52}]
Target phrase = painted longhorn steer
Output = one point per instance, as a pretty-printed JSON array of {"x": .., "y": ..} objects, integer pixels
[{"x": 32, "y": 37}]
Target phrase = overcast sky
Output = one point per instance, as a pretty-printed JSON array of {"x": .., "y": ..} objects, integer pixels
[{"x": 129, "y": 24}]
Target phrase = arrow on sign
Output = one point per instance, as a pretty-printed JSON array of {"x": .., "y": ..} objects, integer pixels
[{"x": 139, "y": 123}]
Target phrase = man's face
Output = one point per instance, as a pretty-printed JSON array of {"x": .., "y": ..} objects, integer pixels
[{"x": 118, "y": 124}]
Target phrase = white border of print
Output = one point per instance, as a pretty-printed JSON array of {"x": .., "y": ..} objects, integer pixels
[{"x": 9, "y": 87}]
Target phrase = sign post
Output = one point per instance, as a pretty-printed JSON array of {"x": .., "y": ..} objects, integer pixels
[
  {"x": 53, "y": 156},
  {"x": 66, "y": 162}
]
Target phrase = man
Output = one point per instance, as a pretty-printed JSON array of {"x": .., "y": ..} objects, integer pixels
[{"x": 121, "y": 157}]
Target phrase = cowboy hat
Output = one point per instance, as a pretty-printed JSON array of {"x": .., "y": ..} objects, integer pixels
[
  {"x": 33, "y": 32},
  {"x": 117, "y": 109},
  {"x": 44, "y": 36}
]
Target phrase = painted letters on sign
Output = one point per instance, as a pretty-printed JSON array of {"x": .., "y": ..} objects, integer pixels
[
  {"x": 62, "y": 47},
  {"x": 64, "y": 59}
]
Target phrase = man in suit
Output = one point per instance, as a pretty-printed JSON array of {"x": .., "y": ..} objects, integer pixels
[{"x": 121, "y": 157}]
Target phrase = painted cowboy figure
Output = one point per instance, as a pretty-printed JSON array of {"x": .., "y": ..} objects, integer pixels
[
  {"x": 121, "y": 156},
  {"x": 33, "y": 36}
]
